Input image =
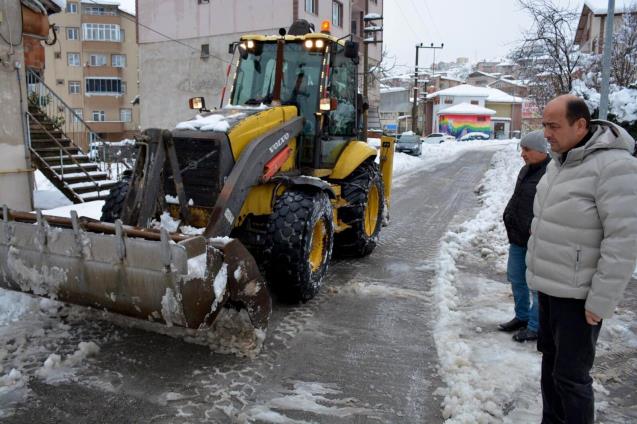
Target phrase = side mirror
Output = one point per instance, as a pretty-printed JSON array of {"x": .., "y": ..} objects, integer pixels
[
  {"x": 351, "y": 50},
  {"x": 231, "y": 47}
]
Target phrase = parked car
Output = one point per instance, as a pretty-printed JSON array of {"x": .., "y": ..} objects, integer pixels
[
  {"x": 438, "y": 138},
  {"x": 409, "y": 142},
  {"x": 475, "y": 136}
]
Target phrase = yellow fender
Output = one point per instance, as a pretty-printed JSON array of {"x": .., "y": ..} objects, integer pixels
[{"x": 352, "y": 156}]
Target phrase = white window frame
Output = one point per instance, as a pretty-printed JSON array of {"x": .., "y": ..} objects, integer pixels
[
  {"x": 98, "y": 59},
  {"x": 75, "y": 87},
  {"x": 101, "y": 32},
  {"x": 71, "y": 7},
  {"x": 98, "y": 116},
  {"x": 75, "y": 31},
  {"x": 73, "y": 62},
  {"x": 126, "y": 115},
  {"x": 118, "y": 60}
]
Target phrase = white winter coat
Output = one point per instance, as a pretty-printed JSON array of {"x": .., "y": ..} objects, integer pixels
[{"x": 583, "y": 241}]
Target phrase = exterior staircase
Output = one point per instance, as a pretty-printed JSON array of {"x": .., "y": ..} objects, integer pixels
[{"x": 55, "y": 131}]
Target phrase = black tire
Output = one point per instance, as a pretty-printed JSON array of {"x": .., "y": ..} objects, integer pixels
[
  {"x": 296, "y": 259},
  {"x": 114, "y": 203},
  {"x": 364, "y": 218}
]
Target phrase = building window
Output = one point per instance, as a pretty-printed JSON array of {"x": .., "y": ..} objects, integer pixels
[
  {"x": 123, "y": 87},
  {"x": 97, "y": 59},
  {"x": 105, "y": 86},
  {"x": 203, "y": 1},
  {"x": 448, "y": 101},
  {"x": 126, "y": 115},
  {"x": 99, "y": 10},
  {"x": 118, "y": 61},
  {"x": 59, "y": 81},
  {"x": 78, "y": 112},
  {"x": 311, "y": 6},
  {"x": 73, "y": 59},
  {"x": 101, "y": 32},
  {"x": 122, "y": 37},
  {"x": 205, "y": 51},
  {"x": 72, "y": 33},
  {"x": 475, "y": 102},
  {"x": 71, "y": 7},
  {"x": 481, "y": 119},
  {"x": 74, "y": 87},
  {"x": 99, "y": 116},
  {"x": 337, "y": 13}
]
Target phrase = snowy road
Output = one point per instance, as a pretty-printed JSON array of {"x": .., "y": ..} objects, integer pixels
[{"x": 389, "y": 339}]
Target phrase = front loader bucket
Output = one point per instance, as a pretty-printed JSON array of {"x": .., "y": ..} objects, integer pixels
[{"x": 174, "y": 279}]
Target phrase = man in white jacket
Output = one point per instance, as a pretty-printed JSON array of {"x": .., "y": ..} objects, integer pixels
[{"x": 582, "y": 249}]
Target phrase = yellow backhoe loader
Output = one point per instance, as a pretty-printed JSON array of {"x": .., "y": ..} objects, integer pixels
[{"x": 275, "y": 180}]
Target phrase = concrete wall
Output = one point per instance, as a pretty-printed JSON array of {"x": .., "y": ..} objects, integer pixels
[{"x": 15, "y": 186}]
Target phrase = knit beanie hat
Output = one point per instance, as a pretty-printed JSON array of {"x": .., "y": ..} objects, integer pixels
[{"x": 535, "y": 141}]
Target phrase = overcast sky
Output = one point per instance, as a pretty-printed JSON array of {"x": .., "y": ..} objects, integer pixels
[{"x": 477, "y": 29}]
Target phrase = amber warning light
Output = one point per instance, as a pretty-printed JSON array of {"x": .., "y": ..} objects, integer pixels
[{"x": 325, "y": 27}]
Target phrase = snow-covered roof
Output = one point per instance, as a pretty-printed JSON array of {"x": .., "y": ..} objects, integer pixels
[
  {"x": 517, "y": 83},
  {"x": 392, "y": 89},
  {"x": 466, "y": 109},
  {"x": 102, "y": 2},
  {"x": 466, "y": 90},
  {"x": 483, "y": 73},
  {"x": 600, "y": 7}
]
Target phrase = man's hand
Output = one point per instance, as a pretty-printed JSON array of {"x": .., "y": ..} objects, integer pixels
[{"x": 591, "y": 318}]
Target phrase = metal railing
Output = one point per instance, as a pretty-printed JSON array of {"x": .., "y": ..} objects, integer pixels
[{"x": 43, "y": 99}]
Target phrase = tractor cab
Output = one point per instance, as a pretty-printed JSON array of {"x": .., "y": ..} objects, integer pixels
[{"x": 316, "y": 73}]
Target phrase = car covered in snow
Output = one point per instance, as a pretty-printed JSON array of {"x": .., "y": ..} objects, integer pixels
[
  {"x": 438, "y": 138},
  {"x": 409, "y": 142},
  {"x": 475, "y": 136}
]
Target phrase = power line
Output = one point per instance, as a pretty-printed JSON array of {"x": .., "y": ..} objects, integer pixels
[
  {"x": 433, "y": 21},
  {"x": 136, "y": 21},
  {"x": 400, "y": 9}
]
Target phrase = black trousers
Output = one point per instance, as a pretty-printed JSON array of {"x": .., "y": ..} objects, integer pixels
[{"x": 567, "y": 343}]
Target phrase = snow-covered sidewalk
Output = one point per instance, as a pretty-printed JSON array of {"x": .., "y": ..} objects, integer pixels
[{"x": 490, "y": 378}]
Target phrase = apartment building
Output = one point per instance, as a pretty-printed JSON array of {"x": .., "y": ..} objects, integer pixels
[
  {"x": 183, "y": 45},
  {"x": 93, "y": 66}
]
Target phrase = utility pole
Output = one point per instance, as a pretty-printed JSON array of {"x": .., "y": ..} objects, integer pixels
[
  {"x": 369, "y": 37},
  {"x": 608, "y": 47},
  {"x": 414, "y": 110}
]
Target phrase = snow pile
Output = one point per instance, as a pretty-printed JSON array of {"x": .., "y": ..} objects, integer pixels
[
  {"x": 590, "y": 95},
  {"x": 212, "y": 122},
  {"x": 56, "y": 370},
  {"x": 172, "y": 309},
  {"x": 470, "y": 396}
]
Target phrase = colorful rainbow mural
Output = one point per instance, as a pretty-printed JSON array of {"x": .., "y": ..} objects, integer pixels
[{"x": 459, "y": 125}]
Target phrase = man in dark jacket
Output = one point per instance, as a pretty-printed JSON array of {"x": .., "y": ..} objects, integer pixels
[{"x": 518, "y": 216}]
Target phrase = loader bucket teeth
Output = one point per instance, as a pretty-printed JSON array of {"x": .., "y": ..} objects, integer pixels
[{"x": 178, "y": 280}]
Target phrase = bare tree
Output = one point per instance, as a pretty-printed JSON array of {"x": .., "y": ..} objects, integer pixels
[
  {"x": 624, "y": 58},
  {"x": 547, "y": 56},
  {"x": 384, "y": 67}
]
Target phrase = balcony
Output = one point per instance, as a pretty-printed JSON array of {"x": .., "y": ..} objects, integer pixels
[{"x": 103, "y": 71}]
